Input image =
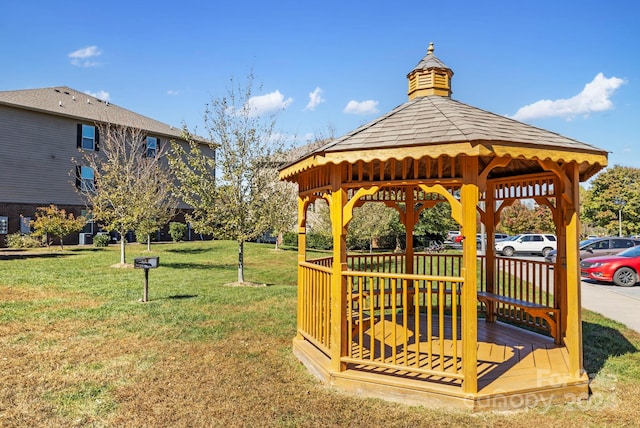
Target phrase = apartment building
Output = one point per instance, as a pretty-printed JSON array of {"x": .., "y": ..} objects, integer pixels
[{"x": 41, "y": 131}]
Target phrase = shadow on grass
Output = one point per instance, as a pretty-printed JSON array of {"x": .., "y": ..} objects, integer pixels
[
  {"x": 600, "y": 343},
  {"x": 14, "y": 255},
  {"x": 208, "y": 266},
  {"x": 87, "y": 250},
  {"x": 181, "y": 296},
  {"x": 189, "y": 250}
]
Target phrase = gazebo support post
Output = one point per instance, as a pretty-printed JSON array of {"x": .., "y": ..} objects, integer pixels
[
  {"x": 410, "y": 223},
  {"x": 338, "y": 283},
  {"x": 571, "y": 217},
  {"x": 490, "y": 220},
  {"x": 560, "y": 270},
  {"x": 302, "y": 256},
  {"x": 469, "y": 200}
]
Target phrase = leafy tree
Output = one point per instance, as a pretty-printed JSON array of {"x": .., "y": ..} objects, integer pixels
[
  {"x": 160, "y": 201},
  {"x": 542, "y": 221},
  {"x": 281, "y": 211},
  {"x": 56, "y": 222},
  {"x": 231, "y": 205},
  {"x": 614, "y": 195},
  {"x": 369, "y": 223},
  {"x": 519, "y": 218},
  {"x": 435, "y": 221},
  {"x": 132, "y": 187}
]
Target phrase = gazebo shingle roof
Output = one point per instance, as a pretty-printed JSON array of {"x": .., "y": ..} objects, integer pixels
[
  {"x": 454, "y": 128},
  {"x": 440, "y": 120}
]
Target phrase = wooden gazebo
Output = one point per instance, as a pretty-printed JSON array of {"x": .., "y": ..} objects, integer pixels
[{"x": 471, "y": 330}]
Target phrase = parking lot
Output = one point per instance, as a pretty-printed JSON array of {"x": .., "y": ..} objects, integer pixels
[{"x": 617, "y": 303}]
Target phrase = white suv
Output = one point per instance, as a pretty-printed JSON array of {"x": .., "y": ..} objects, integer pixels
[{"x": 537, "y": 243}]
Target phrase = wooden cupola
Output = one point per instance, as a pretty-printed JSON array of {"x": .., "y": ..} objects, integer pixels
[{"x": 430, "y": 77}]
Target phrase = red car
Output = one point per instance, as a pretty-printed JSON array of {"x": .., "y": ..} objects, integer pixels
[{"x": 621, "y": 269}]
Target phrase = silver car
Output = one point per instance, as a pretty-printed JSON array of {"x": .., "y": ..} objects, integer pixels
[{"x": 607, "y": 246}]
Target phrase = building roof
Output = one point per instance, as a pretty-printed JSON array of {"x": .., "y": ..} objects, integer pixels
[{"x": 67, "y": 102}]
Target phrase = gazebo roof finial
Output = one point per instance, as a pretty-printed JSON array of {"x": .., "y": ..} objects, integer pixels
[{"x": 430, "y": 77}]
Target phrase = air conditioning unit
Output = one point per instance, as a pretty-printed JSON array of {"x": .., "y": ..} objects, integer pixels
[{"x": 86, "y": 239}]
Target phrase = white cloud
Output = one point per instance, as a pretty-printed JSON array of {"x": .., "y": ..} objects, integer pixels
[
  {"x": 83, "y": 57},
  {"x": 101, "y": 95},
  {"x": 173, "y": 92},
  {"x": 361, "y": 107},
  {"x": 267, "y": 103},
  {"x": 594, "y": 97},
  {"x": 315, "y": 98}
]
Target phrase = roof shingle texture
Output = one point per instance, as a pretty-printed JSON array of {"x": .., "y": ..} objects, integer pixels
[
  {"x": 64, "y": 101},
  {"x": 439, "y": 120}
]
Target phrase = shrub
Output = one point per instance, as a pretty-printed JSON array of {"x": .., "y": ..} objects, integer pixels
[
  {"x": 290, "y": 239},
  {"x": 101, "y": 240},
  {"x": 18, "y": 240},
  {"x": 355, "y": 242},
  {"x": 177, "y": 231},
  {"x": 319, "y": 242}
]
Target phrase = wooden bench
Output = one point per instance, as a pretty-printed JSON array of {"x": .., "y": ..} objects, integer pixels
[
  {"x": 366, "y": 321},
  {"x": 550, "y": 315}
]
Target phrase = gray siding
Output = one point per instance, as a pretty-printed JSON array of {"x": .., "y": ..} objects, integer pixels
[{"x": 36, "y": 152}]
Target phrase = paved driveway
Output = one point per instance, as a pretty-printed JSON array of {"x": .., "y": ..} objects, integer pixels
[{"x": 621, "y": 304}]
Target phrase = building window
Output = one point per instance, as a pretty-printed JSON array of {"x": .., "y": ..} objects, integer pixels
[
  {"x": 87, "y": 137},
  {"x": 152, "y": 147},
  {"x": 86, "y": 181},
  {"x": 25, "y": 225},
  {"x": 88, "y": 226}
]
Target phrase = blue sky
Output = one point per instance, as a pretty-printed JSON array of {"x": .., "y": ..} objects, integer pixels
[{"x": 569, "y": 66}]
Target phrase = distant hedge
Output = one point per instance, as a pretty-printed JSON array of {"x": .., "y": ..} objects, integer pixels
[{"x": 314, "y": 240}]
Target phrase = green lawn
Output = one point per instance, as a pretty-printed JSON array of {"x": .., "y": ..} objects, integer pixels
[{"x": 77, "y": 348}]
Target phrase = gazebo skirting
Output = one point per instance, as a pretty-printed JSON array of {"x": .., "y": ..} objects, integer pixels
[{"x": 404, "y": 340}]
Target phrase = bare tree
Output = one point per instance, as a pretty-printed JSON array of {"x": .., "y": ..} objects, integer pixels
[
  {"x": 230, "y": 192},
  {"x": 131, "y": 182}
]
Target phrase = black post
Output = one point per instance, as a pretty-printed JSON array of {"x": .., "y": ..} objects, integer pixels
[{"x": 146, "y": 285}]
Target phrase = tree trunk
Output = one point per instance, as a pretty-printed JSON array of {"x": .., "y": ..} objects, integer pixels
[
  {"x": 240, "y": 261},
  {"x": 122, "y": 246},
  {"x": 149, "y": 242}
]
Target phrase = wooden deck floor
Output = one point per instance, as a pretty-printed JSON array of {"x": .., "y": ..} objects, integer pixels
[
  {"x": 517, "y": 366},
  {"x": 505, "y": 353}
]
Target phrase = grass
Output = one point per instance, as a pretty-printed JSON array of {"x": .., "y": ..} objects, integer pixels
[{"x": 77, "y": 348}]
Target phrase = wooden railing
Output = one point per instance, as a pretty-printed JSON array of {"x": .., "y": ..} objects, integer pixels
[
  {"x": 314, "y": 311},
  {"x": 408, "y": 323},
  {"x": 411, "y": 322},
  {"x": 528, "y": 281}
]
